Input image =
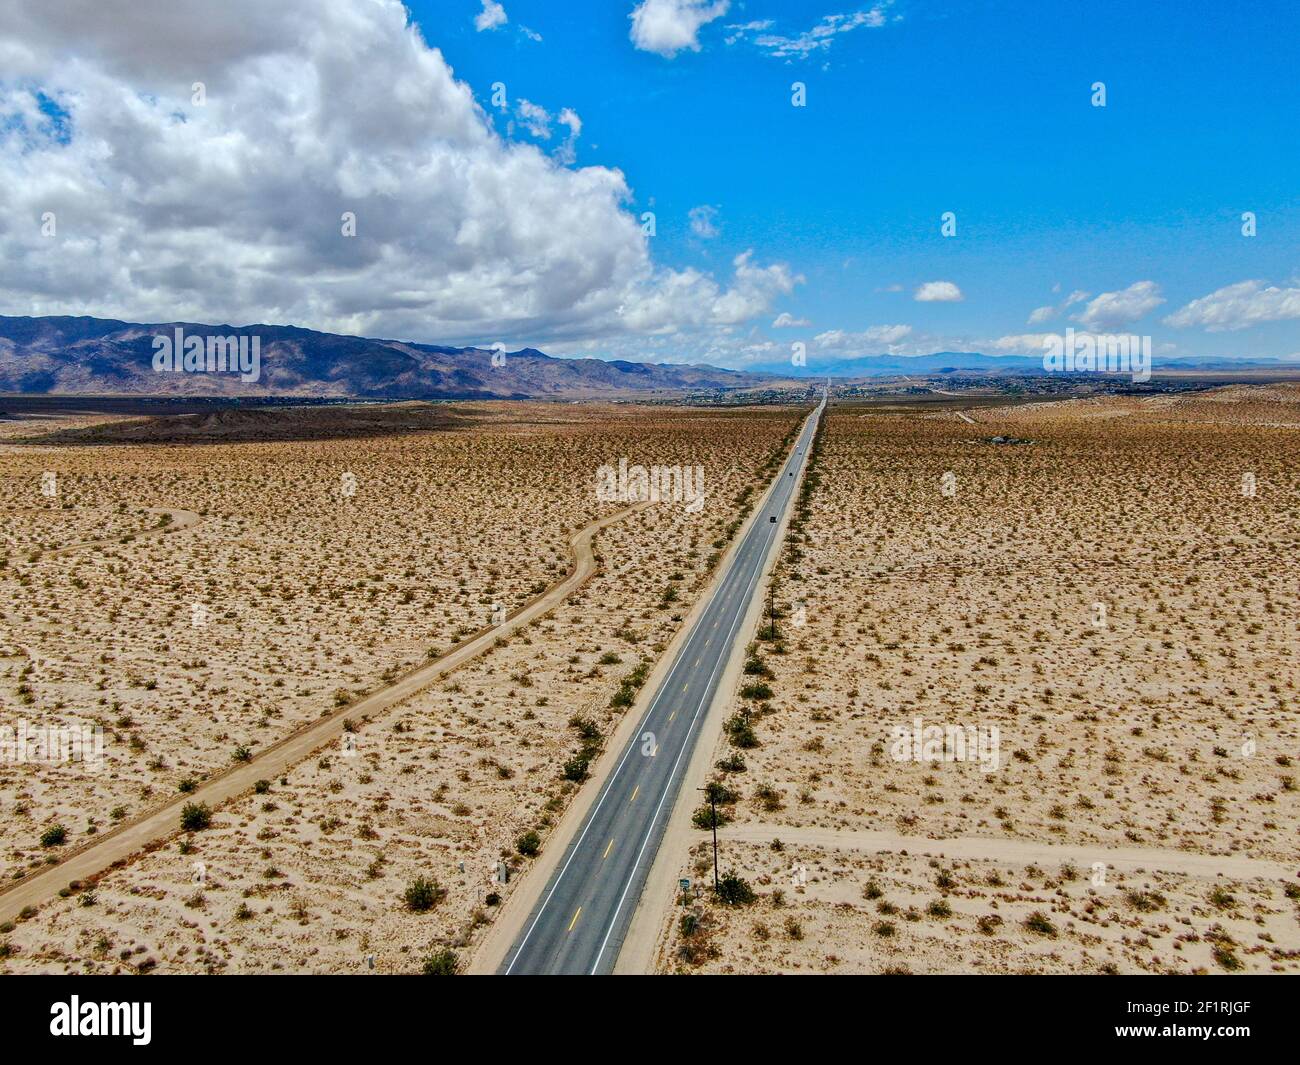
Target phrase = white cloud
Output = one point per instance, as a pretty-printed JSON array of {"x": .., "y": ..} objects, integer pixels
[
  {"x": 786, "y": 320},
  {"x": 737, "y": 30},
  {"x": 1022, "y": 343},
  {"x": 172, "y": 211},
  {"x": 872, "y": 336},
  {"x": 535, "y": 118},
  {"x": 567, "y": 153},
  {"x": 1039, "y": 315},
  {"x": 702, "y": 221},
  {"x": 667, "y": 27},
  {"x": 492, "y": 16},
  {"x": 569, "y": 117},
  {"x": 814, "y": 41},
  {"x": 1238, "y": 306},
  {"x": 1111, "y": 310},
  {"x": 1028, "y": 343},
  {"x": 938, "y": 292}
]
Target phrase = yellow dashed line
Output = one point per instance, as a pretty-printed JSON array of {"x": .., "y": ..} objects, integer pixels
[
  {"x": 607, "y": 850},
  {"x": 672, "y": 715},
  {"x": 635, "y": 792},
  {"x": 575, "y": 918}
]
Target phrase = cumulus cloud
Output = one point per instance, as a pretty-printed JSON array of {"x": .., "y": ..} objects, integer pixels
[
  {"x": 492, "y": 16},
  {"x": 938, "y": 292},
  {"x": 1112, "y": 310},
  {"x": 814, "y": 41},
  {"x": 786, "y": 320},
  {"x": 667, "y": 27},
  {"x": 703, "y": 222},
  {"x": 1238, "y": 306},
  {"x": 230, "y": 210},
  {"x": 689, "y": 298}
]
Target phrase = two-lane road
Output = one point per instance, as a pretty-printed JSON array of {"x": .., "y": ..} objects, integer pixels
[{"x": 579, "y": 924}]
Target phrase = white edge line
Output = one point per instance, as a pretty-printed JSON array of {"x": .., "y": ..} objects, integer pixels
[{"x": 669, "y": 785}]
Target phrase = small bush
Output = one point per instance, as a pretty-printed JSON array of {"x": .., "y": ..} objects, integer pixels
[
  {"x": 733, "y": 763},
  {"x": 708, "y": 818},
  {"x": 422, "y": 894},
  {"x": 720, "y": 793},
  {"x": 529, "y": 844},
  {"x": 735, "y": 891},
  {"x": 576, "y": 768},
  {"x": 195, "y": 817},
  {"x": 444, "y": 963},
  {"x": 1038, "y": 922}
]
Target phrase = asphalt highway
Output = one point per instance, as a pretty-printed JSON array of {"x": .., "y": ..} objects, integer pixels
[{"x": 579, "y": 923}]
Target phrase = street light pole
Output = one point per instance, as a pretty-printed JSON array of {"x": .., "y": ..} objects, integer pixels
[{"x": 713, "y": 810}]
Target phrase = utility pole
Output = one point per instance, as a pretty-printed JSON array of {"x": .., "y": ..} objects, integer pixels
[
  {"x": 771, "y": 611},
  {"x": 713, "y": 809}
]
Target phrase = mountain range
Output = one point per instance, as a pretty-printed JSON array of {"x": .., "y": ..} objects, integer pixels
[
  {"x": 96, "y": 356},
  {"x": 61, "y": 355}
]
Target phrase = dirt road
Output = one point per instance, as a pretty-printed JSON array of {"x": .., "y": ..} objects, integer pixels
[{"x": 164, "y": 821}]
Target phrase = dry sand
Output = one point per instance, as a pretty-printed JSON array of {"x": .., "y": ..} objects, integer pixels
[
  {"x": 1108, "y": 599},
  {"x": 313, "y": 592}
]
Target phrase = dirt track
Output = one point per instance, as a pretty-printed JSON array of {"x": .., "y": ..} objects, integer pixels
[
  {"x": 161, "y": 822},
  {"x": 1017, "y": 851}
]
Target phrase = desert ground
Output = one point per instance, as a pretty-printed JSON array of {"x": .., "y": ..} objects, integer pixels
[
  {"x": 382, "y": 853},
  {"x": 1113, "y": 587}
]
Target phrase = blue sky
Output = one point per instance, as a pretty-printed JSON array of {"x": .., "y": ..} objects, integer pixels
[
  {"x": 480, "y": 217},
  {"x": 982, "y": 109}
]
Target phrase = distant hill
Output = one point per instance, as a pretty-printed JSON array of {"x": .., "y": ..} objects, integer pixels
[
  {"x": 96, "y": 356},
  {"x": 973, "y": 362},
  {"x": 891, "y": 365}
]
